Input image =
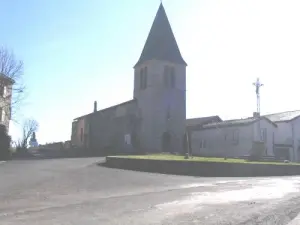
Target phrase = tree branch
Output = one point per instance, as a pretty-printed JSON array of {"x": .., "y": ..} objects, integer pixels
[{"x": 11, "y": 72}]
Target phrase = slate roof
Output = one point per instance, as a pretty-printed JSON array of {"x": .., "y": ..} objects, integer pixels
[
  {"x": 161, "y": 43},
  {"x": 235, "y": 122},
  {"x": 283, "y": 116},
  {"x": 202, "y": 120}
]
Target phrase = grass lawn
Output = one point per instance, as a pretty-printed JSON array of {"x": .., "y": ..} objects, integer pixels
[{"x": 198, "y": 159}]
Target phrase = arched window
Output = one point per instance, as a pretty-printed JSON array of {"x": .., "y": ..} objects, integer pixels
[
  {"x": 169, "y": 77},
  {"x": 143, "y": 78}
]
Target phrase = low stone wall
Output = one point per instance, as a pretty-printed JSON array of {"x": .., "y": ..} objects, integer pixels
[{"x": 209, "y": 169}]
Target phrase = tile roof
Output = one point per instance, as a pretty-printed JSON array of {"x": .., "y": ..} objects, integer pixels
[
  {"x": 202, "y": 120},
  {"x": 283, "y": 116},
  {"x": 109, "y": 108},
  {"x": 161, "y": 43},
  {"x": 235, "y": 122}
]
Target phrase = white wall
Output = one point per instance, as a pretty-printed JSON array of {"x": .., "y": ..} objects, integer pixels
[
  {"x": 283, "y": 134},
  {"x": 271, "y": 132},
  {"x": 295, "y": 130},
  {"x": 5, "y": 103},
  {"x": 289, "y": 133},
  {"x": 216, "y": 145}
]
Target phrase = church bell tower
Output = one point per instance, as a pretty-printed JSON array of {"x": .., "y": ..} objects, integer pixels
[{"x": 160, "y": 89}]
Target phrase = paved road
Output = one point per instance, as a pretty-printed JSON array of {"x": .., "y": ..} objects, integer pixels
[{"x": 77, "y": 191}]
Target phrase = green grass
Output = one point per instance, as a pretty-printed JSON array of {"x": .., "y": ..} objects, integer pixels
[{"x": 198, "y": 159}]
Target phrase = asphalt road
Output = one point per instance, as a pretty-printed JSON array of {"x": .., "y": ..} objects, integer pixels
[{"x": 78, "y": 191}]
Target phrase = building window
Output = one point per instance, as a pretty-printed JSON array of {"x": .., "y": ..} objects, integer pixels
[
  {"x": 2, "y": 90},
  {"x": 235, "y": 137},
  {"x": 169, "y": 77},
  {"x": 203, "y": 144},
  {"x": 166, "y": 72},
  {"x": 2, "y": 115},
  {"x": 172, "y": 77},
  {"x": 81, "y": 134},
  {"x": 263, "y": 134},
  {"x": 127, "y": 139},
  {"x": 143, "y": 78},
  {"x": 9, "y": 113}
]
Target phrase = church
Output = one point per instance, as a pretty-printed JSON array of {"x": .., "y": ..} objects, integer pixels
[{"x": 155, "y": 119}]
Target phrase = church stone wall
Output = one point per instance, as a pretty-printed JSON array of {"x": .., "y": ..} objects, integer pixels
[
  {"x": 107, "y": 128},
  {"x": 156, "y": 102}
]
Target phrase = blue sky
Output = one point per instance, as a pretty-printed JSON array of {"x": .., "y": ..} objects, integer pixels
[{"x": 76, "y": 52}]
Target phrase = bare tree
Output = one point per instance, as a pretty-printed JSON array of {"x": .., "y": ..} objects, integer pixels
[
  {"x": 29, "y": 127},
  {"x": 11, "y": 83}
]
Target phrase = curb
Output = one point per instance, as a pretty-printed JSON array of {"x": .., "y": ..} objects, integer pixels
[
  {"x": 202, "y": 169},
  {"x": 2, "y": 162}
]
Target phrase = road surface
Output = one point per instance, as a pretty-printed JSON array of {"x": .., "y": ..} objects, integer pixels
[{"x": 78, "y": 191}]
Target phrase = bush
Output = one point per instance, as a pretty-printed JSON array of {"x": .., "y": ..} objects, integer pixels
[{"x": 4, "y": 144}]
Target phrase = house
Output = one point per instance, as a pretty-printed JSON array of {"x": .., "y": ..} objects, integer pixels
[
  {"x": 287, "y": 135},
  {"x": 155, "y": 119},
  {"x": 6, "y": 84},
  {"x": 232, "y": 138}
]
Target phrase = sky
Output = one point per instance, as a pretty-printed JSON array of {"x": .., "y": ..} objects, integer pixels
[{"x": 76, "y": 52}]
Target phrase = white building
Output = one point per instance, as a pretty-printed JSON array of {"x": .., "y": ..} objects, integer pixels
[
  {"x": 287, "y": 135},
  {"x": 210, "y": 136},
  {"x": 232, "y": 138},
  {"x": 5, "y": 100}
]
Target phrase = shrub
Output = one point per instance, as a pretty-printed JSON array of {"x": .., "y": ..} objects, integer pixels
[{"x": 4, "y": 144}]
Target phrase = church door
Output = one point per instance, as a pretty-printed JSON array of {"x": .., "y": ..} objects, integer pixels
[{"x": 166, "y": 142}]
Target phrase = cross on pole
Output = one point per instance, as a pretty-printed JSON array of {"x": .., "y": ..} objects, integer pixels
[{"x": 257, "y": 85}]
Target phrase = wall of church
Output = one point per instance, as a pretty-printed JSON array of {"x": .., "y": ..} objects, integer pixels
[{"x": 108, "y": 128}]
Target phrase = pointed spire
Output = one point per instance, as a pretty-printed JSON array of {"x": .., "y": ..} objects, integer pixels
[{"x": 161, "y": 43}]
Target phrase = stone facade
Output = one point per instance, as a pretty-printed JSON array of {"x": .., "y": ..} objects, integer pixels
[
  {"x": 162, "y": 109},
  {"x": 107, "y": 128}
]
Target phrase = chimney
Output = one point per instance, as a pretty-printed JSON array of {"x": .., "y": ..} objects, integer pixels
[
  {"x": 95, "y": 106},
  {"x": 256, "y": 115}
]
